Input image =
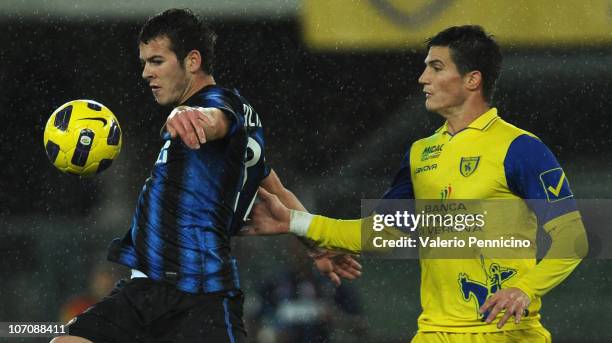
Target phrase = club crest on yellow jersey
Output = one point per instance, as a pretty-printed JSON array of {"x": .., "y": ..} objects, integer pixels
[{"x": 468, "y": 165}]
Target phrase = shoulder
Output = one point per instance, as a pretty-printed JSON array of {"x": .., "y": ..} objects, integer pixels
[
  {"x": 520, "y": 142},
  {"x": 504, "y": 130},
  {"x": 532, "y": 170},
  {"x": 213, "y": 95},
  {"x": 528, "y": 148}
]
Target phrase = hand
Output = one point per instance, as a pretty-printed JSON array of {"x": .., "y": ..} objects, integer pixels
[
  {"x": 337, "y": 265},
  {"x": 268, "y": 217},
  {"x": 512, "y": 299},
  {"x": 188, "y": 123}
]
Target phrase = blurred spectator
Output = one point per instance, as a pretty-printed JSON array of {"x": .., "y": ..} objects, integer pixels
[
  {"x": 300, "y": 305},
  {"x": 101, "y": 281}
]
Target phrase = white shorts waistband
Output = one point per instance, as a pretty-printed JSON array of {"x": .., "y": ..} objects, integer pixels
[{"x": 138, "y": 274}]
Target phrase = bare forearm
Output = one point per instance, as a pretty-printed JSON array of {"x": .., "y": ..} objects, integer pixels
[{"x": 290, "y": 200}]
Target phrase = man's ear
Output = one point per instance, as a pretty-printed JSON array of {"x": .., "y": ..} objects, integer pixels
[
  {"x": 473, "y": 80},
  {"x": 193, "y": 61}
]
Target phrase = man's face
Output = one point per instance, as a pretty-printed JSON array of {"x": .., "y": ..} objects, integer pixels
[
  {"x": 167, "y": 78},
  {"x": 442, "y": 84}
]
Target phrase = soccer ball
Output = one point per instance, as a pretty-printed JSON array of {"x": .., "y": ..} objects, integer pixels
[{"x": 82, "y": 137}]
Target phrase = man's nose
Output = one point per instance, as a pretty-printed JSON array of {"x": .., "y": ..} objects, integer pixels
[
  {"x": 146, "y": 73},
  {"x": 423, "y": 79}
]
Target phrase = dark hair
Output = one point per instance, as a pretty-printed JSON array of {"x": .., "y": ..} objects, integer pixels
[
  {"x": 186, "y": 32},
  {"x": 471, "y": 48}
]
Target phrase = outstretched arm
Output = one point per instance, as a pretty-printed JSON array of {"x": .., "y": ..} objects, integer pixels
[
  {"x": 197, "y": 125},
  {"x": 271, "y": 217},
  {"x": 332, "y": 264},
  {"x": 273, "y": 185}
]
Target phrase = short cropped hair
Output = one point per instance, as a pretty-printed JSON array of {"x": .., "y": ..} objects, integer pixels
[
  {"x": 471, "y": 48},
  {"x": 186, "y": 32}
]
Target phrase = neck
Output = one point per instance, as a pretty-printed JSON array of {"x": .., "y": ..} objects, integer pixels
[
  {"x": 459, "y": 118},
  {"x": 195, "y": 84}
]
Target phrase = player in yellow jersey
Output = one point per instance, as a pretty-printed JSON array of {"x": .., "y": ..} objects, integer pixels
[{"x": 474, "y": 155}]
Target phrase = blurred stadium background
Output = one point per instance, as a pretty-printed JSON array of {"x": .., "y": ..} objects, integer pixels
[{"x": 335, "y": 85}]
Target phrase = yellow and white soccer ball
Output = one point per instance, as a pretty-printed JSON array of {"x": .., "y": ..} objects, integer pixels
[{"x": 82, "y": 137}]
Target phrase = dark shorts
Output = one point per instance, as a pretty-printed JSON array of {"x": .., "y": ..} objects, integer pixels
[{"x": 143, "y": 310}]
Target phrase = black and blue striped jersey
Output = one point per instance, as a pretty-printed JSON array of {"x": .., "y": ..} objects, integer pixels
[{"x": 195, "y": 200}]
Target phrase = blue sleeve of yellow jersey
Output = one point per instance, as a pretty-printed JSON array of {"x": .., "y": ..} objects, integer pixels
[
  {"x": 533, "y": 173},
  {"x": 401, "y": 188}
]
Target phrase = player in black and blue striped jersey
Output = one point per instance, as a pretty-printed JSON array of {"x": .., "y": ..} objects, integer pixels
[
  {"x": 185, "y": 285},
  {"x": 195, "y": 198}
]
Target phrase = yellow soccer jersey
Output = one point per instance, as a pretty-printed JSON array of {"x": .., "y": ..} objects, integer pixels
[{"x": 490, "y": 159}]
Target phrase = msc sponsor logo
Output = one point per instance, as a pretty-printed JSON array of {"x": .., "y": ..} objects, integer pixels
[
  {"x": 425, "y": 168},
  {"x": 430, "y": 152}
]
